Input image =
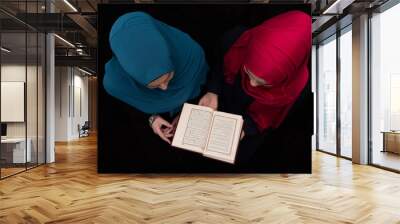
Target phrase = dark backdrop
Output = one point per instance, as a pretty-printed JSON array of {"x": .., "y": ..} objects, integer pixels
[{"x": 127, "y": 144}]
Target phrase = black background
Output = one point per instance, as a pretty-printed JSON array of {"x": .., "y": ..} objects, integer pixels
[{"x": 127, "y": 144}]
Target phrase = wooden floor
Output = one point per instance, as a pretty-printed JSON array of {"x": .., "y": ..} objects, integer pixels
[
  {"x": 10, "y": 171},
  {"x": 70, "y": 191},
  {"x": 387, "y": 159}
]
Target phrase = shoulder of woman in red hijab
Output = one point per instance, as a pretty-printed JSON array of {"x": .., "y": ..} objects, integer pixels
[{"x": 288, "y": 19}]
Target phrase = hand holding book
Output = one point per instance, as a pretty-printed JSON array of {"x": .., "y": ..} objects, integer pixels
[
  {"x": 170, "y": 131},
  {"x": 215, "y": 134},
  {"x": 242, "y": 135},
  {"x": 209, "y": 100}
]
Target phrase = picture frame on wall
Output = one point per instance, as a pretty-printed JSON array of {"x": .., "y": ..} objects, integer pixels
[{"x": 279, "y": 129}]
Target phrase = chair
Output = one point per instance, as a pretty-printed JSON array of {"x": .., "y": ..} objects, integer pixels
[{"x": 84, "y": 130}]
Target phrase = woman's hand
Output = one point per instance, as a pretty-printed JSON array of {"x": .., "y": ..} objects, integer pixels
[
  {"x": 171, "y": 131},
  {"x": 209, "y": 100},
  {"x": 160, "y": 127},
  {"x": 175, "y": 123}
]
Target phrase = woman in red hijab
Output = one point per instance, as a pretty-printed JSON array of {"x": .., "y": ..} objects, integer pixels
[{"x": 260, "y": 73}]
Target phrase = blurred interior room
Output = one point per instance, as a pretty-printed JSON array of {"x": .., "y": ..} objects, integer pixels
[{"x": 49, "y": 112}]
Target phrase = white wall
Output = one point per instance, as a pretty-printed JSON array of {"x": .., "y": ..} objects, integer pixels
[
  {"x": 33, "y": 127},
  {"x": 70, "y": 83},
  {"x": 61, "y": 103},
  {"x": 15, "y": 72},
  {"x": 79, "y": 117}
]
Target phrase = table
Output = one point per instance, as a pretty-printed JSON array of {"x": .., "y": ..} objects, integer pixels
[
  {"x": 13, "y": 150},
  {"x": 391, "y": 141}
]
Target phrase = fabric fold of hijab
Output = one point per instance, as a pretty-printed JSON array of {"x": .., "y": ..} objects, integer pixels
[
  {"x": 276, "y": 51},
  {"x": 144, "y": 49}
]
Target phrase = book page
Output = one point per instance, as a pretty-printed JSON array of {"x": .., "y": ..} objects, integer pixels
[
  {"x": 224, "y": 136},
  {"x": 193, "y": 128},
  {"x": 221, "y": 135},
  {"x": 197, "y": 128}
]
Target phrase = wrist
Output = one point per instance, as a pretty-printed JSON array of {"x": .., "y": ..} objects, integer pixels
[{"x": 151, "y": 119}]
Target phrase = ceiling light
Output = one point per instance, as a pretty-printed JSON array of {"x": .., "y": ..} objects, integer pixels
[
  {"x": 84, "y": 71},
  {"x": 5, "y": 50},
  {"x": 338, "y": 6},
  {"x": 70, "y": 5},
  {"x": 65, "y": 41}
]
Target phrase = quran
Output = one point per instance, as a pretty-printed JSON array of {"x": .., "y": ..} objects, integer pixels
[{"x": 214, "y": 134}]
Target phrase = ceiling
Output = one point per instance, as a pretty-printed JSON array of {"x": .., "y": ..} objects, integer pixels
[{"x": 75, "y": 22}]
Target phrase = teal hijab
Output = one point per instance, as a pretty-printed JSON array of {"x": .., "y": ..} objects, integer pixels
[{"x": 145, "y": 49}]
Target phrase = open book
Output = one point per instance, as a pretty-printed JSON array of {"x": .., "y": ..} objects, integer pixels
[{"x": 214, "y": 134}]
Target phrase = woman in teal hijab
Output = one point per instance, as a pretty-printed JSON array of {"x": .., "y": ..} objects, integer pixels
[{"x": 155, "y": 68}]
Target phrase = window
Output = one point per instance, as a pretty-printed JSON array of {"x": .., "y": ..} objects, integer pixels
[
  {"x": 314, "y": 90},
  {"x": 22, "y": 77},
  {"x": 346, "y": 92},
  {"x": 327, "y": 95},
  {"x": 385, "y": 89}
]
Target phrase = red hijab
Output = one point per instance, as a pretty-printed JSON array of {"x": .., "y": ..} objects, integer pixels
[{"x": 276, "y": 51}]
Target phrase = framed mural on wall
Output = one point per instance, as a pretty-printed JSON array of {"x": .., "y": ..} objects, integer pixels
[{"x": 242, "y": 70}]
